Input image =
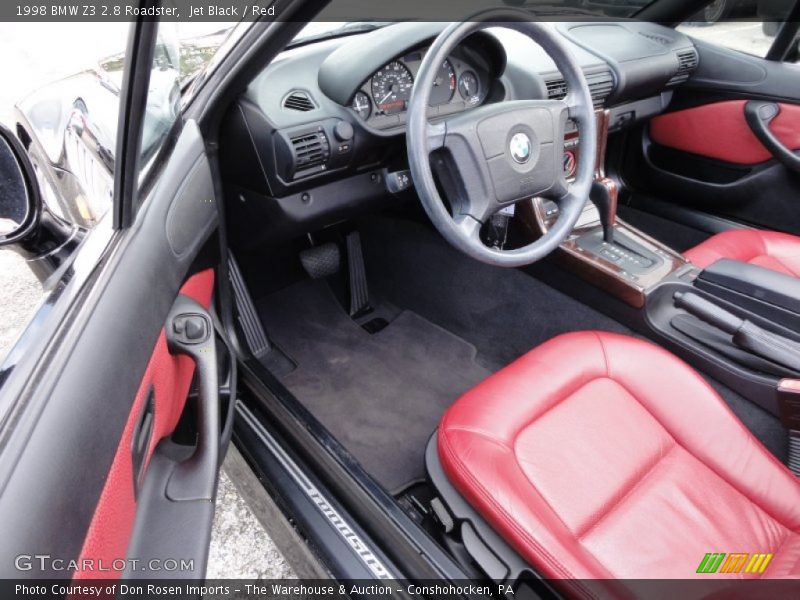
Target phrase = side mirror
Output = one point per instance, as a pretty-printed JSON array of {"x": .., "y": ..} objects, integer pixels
[
  {"x": 26, "y": 223},
  {"x": 20, "y": 203}
]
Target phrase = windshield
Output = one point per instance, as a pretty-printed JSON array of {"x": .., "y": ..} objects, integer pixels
[
  {"x": 332, "y": 22},
  {"x": 327, "y": 29}
]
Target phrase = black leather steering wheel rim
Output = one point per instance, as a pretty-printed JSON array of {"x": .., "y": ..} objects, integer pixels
[{"x": 474, "y": 135}]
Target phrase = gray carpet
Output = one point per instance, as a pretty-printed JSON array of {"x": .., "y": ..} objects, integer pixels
[{"x": 380, "y": 395}]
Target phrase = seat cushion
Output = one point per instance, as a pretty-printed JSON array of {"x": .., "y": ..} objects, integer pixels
[
  {"x": 601, "y": 456},
  {"x": 768, "y": 249}
]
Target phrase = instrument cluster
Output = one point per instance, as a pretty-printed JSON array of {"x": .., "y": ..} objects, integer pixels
[{"x": 382, "y": 101}]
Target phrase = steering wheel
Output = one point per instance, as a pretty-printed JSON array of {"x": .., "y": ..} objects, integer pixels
[{"x": 500, "y": 154}]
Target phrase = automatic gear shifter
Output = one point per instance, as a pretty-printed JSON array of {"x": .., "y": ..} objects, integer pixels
[
  {"x": 618, "y": 248},
  {"x": 604, "y": 196}
]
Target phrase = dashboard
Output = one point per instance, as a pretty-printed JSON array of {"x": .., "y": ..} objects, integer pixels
[{"x": 319, "y": 133}]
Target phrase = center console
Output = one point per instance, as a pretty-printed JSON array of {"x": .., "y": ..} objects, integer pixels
[{"x": 601, "y": 248}]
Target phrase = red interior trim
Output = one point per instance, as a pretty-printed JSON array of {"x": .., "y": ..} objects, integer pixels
[
  {"x": 720, "y": 131},
  {"x": 170, "y": 377}
]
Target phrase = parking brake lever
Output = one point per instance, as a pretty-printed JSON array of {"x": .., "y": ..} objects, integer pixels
[
  {"x": 190, "y": 331},
  {"x": 745, "y": 334}
]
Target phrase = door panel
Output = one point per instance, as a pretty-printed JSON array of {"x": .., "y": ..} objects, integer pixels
[
  {"x": 166, "y": 385},
  {"x": 702, "y": 154},
  {"x": 77, "y": 404},
  {"x": 719, "y": 130}
]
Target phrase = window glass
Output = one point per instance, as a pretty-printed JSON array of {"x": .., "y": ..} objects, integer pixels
[
  {"x": 163, "y": 95},
  {"x": 61, "y": 95},
  {"x": 58, "y": 101},
  {"x": 182, "y": 50},
  {"x": 746, "y": 25}
]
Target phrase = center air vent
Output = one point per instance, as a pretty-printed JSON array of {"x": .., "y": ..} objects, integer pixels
[
  {"x": 298, "y": 101},
  {"x": 687, "y": 62},
  {"x": 556, "y": 89},
  {"x": 600, "y": 86}
]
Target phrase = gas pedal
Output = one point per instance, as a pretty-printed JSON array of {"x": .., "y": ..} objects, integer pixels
[{"x": 359, "y": 292}]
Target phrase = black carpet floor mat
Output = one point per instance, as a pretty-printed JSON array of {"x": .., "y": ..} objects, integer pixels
[
  {"x": 381, "y": 395},
  {"x": 503, "y": 312}
]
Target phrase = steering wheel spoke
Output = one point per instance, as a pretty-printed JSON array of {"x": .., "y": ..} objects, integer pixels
[
  {"x": 436, "y": 135},
  {"x": 469, "y": 227},
  {"x": 573, "y": 104}
]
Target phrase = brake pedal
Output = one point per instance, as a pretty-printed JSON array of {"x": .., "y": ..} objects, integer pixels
[{"x": 321, "y": 261}]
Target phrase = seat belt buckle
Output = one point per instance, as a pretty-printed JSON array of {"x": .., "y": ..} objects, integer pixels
[
  {"x": 789, "y": 403},
  {"x": 789, "y": 406}
]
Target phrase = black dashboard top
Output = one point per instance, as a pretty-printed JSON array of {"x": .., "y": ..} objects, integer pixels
[
  {"x": 324, "y": 110},
  {"x": 642, "y": 59}
]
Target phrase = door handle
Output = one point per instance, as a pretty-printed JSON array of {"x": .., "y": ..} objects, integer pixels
[
  {"x": 140, "y": 441},
  {"x": 759, "y": 115},
  {"x": 190, "y": 331}
]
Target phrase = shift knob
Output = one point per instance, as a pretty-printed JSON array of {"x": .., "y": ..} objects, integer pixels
[{"x": 604, "y": 196}]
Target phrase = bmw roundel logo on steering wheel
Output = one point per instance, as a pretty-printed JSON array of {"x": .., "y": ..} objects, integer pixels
[{"x": 520, "y": 147}]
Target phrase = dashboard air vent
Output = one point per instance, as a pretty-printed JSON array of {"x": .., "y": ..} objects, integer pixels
[
  {"x": 310, "y": 150},
  {"x": 687, "y": 62},
  {"x": 556, "y": 89},
  {"x": 600, "y": 85},
  {"x": 298, "y": 101}
]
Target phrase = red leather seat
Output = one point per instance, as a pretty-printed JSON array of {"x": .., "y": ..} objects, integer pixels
[
  {"x": 600, "y": 456},
  {"x": 769, "y": 249}
]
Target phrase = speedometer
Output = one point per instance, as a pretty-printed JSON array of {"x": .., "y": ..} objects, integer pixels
[{"x": 391, "y": 87}]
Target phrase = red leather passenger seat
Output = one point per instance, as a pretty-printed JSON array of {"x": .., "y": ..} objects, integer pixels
[
  {"x": 600, "y": 456},
  {"x": 768, "y": 249}
]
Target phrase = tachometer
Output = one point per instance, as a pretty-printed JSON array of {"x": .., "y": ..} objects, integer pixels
[
  {"x": 444, "y": 86},
  {"x": 391, "y": 87}
]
